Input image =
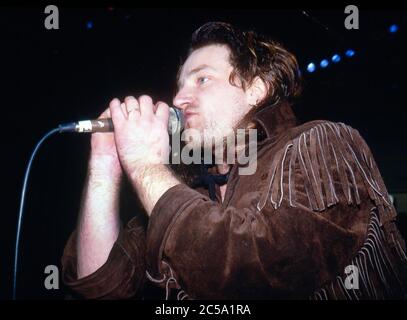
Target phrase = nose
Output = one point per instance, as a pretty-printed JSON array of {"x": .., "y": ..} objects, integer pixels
[{"x": 183, "y": 99}]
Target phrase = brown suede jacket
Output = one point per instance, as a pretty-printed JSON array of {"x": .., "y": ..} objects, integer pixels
[{"x": 315, "y": 206}]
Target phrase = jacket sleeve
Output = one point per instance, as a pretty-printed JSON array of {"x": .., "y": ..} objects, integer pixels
[
  {"x": 123, "y": 274},
  {"x": 288, "y": 234}
]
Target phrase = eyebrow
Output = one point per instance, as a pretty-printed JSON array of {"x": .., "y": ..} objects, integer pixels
[{"x": 194, "y": 71}]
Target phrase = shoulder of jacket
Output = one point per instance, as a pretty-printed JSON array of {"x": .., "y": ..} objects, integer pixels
[
  {"x": 327, "y": 159},
  {"x": 309, "y": 126}
]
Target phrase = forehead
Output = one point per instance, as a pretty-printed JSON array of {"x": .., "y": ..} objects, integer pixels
[{"x": 213, "y": 56}]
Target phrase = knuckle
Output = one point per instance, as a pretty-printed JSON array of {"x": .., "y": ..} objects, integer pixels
[
  {"x": 145, "y": 98},
  {"x": 130, "y": 100},
  {"x": 161, "y": 104}
]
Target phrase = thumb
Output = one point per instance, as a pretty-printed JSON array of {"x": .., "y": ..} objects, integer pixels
[
  {"x": 105, "y": 114},
  {"x": 163, "y": 111}
]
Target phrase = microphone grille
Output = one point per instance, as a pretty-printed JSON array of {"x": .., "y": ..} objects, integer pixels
[{"x": 176, "y": 121}]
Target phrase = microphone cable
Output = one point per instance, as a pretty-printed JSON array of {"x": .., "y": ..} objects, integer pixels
[{"x": 20, "y": 214}]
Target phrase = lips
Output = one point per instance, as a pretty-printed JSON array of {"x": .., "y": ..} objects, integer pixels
[{"x": 189, "y": 114}]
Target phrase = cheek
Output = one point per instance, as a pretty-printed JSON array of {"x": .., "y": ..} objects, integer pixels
[
  {"x": 232, "y": 94},
  {"x": 222, "y": 102},
  {"x": 222, "y": 94},
  {"x": 233, "y": 102}
]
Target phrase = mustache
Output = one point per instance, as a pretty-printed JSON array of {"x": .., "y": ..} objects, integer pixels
[{"x": 190, "y": 111}]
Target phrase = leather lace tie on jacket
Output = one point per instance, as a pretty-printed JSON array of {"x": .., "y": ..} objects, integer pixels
[{"x": 209, "y": 180}]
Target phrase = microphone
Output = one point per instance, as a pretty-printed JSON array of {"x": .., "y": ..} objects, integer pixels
[{"x": 176, "y": 123}]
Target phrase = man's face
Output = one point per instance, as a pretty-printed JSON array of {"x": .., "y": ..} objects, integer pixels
[{"x": 209, "y": 102}]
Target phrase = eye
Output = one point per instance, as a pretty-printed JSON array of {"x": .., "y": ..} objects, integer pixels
[{"x": 202, "y": 80}]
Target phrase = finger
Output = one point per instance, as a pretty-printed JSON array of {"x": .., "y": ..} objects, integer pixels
[
  {"x": 105, "y": 114},
  {"x": 163, "y": 112},
  {"x": 124, "y": 110},
  {"x": 114, "y": 103},
  {"x": 116, "y": 111},
  {"x": 155, "y": 106},
  {"x": 132, "y": 107},
  {"x": 129, "y": 98},
  {"x": 146, "y": 106}
]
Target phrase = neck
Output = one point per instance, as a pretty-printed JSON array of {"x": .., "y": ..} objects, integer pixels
[{"x": 223, "y": 168}]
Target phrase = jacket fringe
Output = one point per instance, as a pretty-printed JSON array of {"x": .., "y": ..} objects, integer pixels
[
  {"x": 373, "y": 260},
  {"x": 331, "y": 158}
]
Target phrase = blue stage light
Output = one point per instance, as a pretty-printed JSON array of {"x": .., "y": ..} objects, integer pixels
[
  {"x": 393, "y": 28},
  {"x": 311, "y": 67},
  {"x": 324, "y": 63},
  {"x": 336, "y": 58},
  {"x": 350, "y": 53},
  {"x": 89, "y": 25}
]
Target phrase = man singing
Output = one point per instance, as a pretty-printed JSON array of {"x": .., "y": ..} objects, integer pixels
[{"x": 313, "y": 220}]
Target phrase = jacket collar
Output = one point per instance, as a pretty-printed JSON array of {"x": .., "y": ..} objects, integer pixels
[
  {"x": 272, "y": 121},
  {"x": 275, "y": 120}
]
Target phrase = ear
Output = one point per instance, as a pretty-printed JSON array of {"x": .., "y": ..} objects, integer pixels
[{"x": 256, "y": 92}]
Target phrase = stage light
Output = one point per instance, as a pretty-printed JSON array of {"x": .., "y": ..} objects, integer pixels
[
  {"x": 311, "y": 67},
  {"x": 324, "y": 63},
  {"x": 89, "y": 25},
  {"x": 393, "y": 28},
  {"x": 336, "y": 58},
  {"x": 350, "y": 53}
]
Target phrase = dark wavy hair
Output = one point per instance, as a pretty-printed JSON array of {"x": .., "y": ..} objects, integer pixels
[{"x": 253, "y": 55}]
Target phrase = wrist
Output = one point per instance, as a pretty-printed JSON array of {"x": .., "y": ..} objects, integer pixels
[
  {"x": 106, "y": 167},
  {"x": 151, "y": 181},
  {"x": 133, "y": 165}
]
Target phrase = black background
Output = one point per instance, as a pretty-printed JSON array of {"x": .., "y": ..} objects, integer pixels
[{"x": 55, "y": 76}]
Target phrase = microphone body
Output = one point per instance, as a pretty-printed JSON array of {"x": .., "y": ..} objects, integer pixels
[{"x": 175, "y": 124}]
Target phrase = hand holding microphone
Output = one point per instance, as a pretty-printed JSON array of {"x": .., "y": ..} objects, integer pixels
[
  {"x": 141, "y": 132},
  {"x": 140, "y": 129},
  {"x": 175, "y": 124}
]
